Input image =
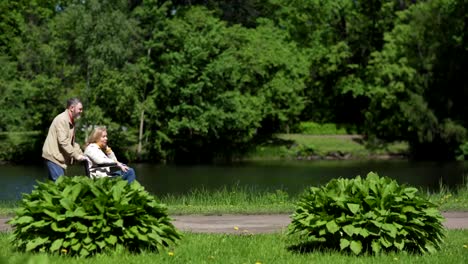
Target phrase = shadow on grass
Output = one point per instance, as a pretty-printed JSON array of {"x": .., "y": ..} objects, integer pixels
[
  {"x": 309, "y": 247},
  {"x": 276, "y": 142}
]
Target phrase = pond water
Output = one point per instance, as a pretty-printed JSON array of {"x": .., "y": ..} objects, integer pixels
[{"x": 290, "y": 176}]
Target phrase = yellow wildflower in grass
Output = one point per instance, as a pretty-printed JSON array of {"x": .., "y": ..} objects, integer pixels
[
  {"x": 465, "y": 246},
  {"x": 64, "y": 250},
  {"x": 258, "y": 262},
  {"x": 236, "y": 228},
  {"x": 171, "y": 253}
]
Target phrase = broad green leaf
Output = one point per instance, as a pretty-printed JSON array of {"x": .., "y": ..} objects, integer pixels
[
  {"x": 417, "y": 222},
  {"x": 392, "y": 230},
  {"x": 142, "y": 237},
  {"x": 84, "y": 252},
  {"x": 66, "y": 243},
  {"x": 75, "y": 192},
  {"x": 99, "y": 205},
  {"x": 74, "y": 241},
  {"x": 79, "y": 212},
  {"x": 344, "y": 243},
  {"x": 332, "y": 227},
  {"x": 117, "y": 190},
  {"x": 36, "y": 242},
  {"x": 81, "y": 228},
  {"x": 350, "y": 230},
  {"x": 409, "y": 209},
  {"x": 87, "y": 240},
  {"x": 399, "y": 243},
  {"x": 54, "y": 227},
  {"x": 101, "y": 244},
  {"x": 22, "y": 220},
  {"x": 385, "y": 242},
  {"x": 433, "y": 212},
  {"x": 376, "y": 247},
  {"x": 430, "y": 248},
  {"x": 54, "y": 215},
  {"x": 363, "y": 232},
  {"x": 354, "y": 208},
  {"x": 56, "y": 245},
  {"x": 118, "y": 223},
  {"x": 90, "y": 247},
  {"x": 66, "y": 203},
  {"x": 76, "y": 247},
  {"x": 356, "y": 246},
  {"x": 111, "y": 240}
]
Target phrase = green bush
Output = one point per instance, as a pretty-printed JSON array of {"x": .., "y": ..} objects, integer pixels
[
  {"x": 463, "y": 151},
  {"x": 304, "y": 150},
  {"x": 21, "y": 146},
  {"x": 82, "y": 216},
  {"x": 312, "y": 128},
  {"x": 367, "y": 215}
]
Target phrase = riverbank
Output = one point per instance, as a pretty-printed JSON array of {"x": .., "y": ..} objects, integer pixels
[
  {"x": 327, "y": 147},
  {"x": 241, "y": 200},
  {"x": 255, "y": 223}
]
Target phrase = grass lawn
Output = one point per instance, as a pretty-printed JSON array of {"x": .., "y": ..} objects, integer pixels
[
  {"x": 241, "y": 200},
  {"x": 265, "y": 248},
  {"x": 300, "y": 145}
]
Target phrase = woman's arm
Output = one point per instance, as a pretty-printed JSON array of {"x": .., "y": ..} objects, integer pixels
[
  {"x": 95, "y": 154},
  {"x": 111, "y": 155}
]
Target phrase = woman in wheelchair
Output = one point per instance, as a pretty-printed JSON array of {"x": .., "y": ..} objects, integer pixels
[{"x": 102, "y": 160}]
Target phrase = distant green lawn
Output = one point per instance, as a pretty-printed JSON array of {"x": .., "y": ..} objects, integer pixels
[{"x": 291, "y": 146}]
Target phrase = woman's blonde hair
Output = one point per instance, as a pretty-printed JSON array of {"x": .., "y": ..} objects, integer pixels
[{"x": 95, "y": 135}]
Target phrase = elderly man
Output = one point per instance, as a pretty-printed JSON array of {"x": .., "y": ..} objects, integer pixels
[{"x": 59, "y": 148}]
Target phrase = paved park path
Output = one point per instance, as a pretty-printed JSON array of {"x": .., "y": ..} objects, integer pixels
[{"x": 254, "y": 224}]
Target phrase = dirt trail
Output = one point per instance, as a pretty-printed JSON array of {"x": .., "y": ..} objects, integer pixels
[{"x": 255, "y": 224}]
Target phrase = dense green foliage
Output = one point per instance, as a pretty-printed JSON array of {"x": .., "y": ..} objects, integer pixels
[
  {"x": 16, "y": 146},
  {"x": 82, "y": 216},
  {"x": 199, "y": 80},
  {"x": 313, "y": 128},
  {"x": 368, "y": 215}
]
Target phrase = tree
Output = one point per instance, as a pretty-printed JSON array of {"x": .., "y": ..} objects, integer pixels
[
  {"x": 216, "y": 85},
  {"x": 339, "y": 37},
  {"x": 415, "y": 82}
]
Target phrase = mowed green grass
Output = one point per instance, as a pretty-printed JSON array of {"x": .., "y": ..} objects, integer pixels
[
  {"x": 263, "y": 248},
  {"x": 242, "y": 200},
  {"x": 323, "y": 145}
]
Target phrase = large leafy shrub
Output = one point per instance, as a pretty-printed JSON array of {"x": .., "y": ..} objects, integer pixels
[
  {"x": 367, "y": 215},
  {"x": 82, "y": 216},
  {"x": 463, "y": 151}
]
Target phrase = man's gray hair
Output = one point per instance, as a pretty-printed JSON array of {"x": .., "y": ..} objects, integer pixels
[{"x": 72, "y": 102}]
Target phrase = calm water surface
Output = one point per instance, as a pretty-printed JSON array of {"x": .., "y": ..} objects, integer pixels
[{"x": 290, "y": 176}]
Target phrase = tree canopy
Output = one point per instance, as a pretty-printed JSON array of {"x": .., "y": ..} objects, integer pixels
[{"x": 198, "y": 80}]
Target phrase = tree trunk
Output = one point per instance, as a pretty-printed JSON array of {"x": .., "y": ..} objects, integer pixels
[{"x": 140, "y": 134}]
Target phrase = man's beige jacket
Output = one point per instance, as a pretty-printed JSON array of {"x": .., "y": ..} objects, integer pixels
[{"x": 59, "y": 146}]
